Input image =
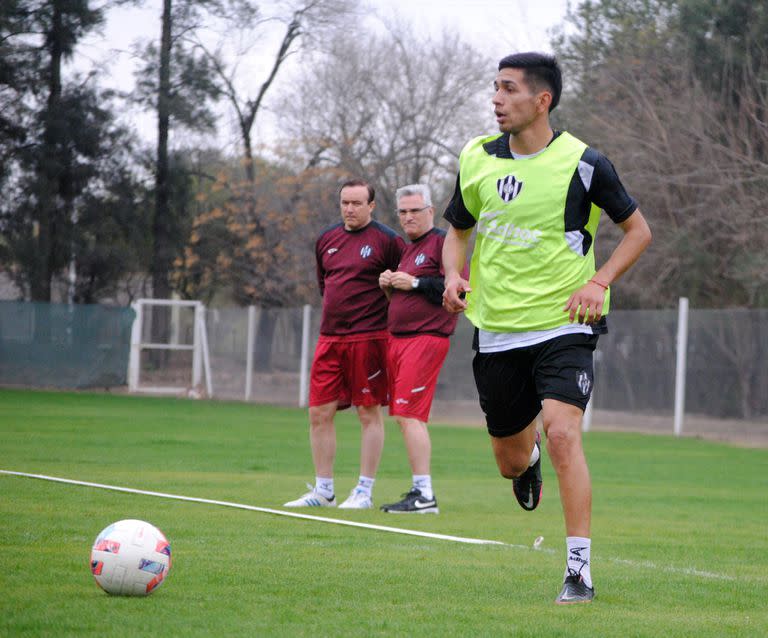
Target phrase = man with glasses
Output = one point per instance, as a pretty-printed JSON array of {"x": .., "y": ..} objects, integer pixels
[
  {"x": 419, "y": 331},
  {"x": 349, "y": 366}
]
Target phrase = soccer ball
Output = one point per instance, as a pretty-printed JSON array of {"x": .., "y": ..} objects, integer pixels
[{"x": 130, "y": 558}]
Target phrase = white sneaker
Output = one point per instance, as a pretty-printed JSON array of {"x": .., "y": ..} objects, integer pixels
[
  {"x": 312, "y": 499},
  {"x": 357, "y": 500}
]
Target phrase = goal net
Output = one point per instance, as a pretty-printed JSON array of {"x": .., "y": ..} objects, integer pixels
[{"x": 169, "y": 348}]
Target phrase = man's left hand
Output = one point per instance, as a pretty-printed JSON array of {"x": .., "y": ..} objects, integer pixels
[
  {"x": 401, "y": 280},
  {"x": 586, "y": 303}
]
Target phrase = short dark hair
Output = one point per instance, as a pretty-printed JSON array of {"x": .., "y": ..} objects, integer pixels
[
  {"x": 360, "y": 182},
  {"x": 539, "y": 69}
]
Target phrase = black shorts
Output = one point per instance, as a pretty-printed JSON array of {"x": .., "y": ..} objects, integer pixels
[{"x": 513, "y": 383}]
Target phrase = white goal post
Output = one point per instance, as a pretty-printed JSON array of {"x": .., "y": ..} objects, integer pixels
[{"x": 198, "y": 347}]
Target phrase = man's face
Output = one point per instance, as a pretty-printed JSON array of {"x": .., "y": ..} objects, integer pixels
[
  {"x": 356, "y": 210},
  {"x": 415, "y": 218},
  {"x": 515, "y": 103}
]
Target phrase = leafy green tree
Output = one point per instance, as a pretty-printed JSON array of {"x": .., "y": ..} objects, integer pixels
[
  {"x": 727, "y": 41},
  {"x": 56, "y": 137},
  {"x": 178, "y": 85},
  {"x": 15, "y": 75},
  {"x": 181, "y": 80},
  {"x": 53, "y": 160},
  {"x": 113, "y": 239}
]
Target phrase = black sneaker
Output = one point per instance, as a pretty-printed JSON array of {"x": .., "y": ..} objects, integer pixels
[
  {"x": 575, "y": 590},
  {"x": 527, "y": 486},
  {"x": 413, "y": 503}
]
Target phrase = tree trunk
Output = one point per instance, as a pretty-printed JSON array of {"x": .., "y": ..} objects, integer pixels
[
  {"x": 250, "y": 172},
  {"x": 161, "y": 232},
  {"x": 40, "y": 284},
  {"x": 48, "y": 161},
  {"x": 162, "y": 255}
]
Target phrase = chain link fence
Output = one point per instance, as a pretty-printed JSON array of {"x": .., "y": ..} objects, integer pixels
[
  {"x": 726, "y": 381},
  {"x": 64, "y": 346}
]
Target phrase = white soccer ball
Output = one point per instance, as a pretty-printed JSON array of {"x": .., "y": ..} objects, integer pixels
[{"x": 130, "y": 558}]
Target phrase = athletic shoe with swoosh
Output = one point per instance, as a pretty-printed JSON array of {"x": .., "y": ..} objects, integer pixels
[
  {"x": 527, "y": 486},
  {"x": 575, "y": 590},
  {"x": 413, "y": 503}
]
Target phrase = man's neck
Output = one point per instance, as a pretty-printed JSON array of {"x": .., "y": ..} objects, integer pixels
[
  {"x": 532, "y": 139},
  {"x": 358, "y": 228},
  {"x": 413, "y": 240}
]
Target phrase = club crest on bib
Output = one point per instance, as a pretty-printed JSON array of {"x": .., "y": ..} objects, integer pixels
[{"x": 508, "y": 187}]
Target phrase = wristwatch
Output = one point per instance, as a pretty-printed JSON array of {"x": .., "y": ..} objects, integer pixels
[{"x": 415, "y": 283}]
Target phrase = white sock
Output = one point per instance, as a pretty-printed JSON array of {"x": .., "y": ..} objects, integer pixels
[
  {"x": 534, "y": 455},
  {"x": 324, "y": 487},
  {"x": 423, "y": 483},
  {"x": 365, "y": 484},
  {"x": 577, "y": 560}
]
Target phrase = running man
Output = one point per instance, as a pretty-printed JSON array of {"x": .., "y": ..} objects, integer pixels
[
  {"x": 349, "y": 366},
  {"x": 534, "y": 297},
  {"x": 419, "y": 339}
]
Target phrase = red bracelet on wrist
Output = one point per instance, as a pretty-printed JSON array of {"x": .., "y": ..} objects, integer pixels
[{"x": 595, "y": 281}]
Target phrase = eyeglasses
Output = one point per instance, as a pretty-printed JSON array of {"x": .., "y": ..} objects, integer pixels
[{"x": 405, "y": 211}]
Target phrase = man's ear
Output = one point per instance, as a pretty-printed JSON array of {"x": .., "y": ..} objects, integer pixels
[{"x": 543, "y": 101}]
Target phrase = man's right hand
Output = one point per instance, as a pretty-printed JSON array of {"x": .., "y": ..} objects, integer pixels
[
  {"x": 453, "y": 295},
  {"x": 385, "y": 280}
]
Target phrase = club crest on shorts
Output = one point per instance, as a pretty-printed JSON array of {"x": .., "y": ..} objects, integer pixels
[
  {"x": 420, "y": 259},
  {"x": 584, "y": 382},
  {"x": 509, "y": 187},
  {"x": 366, "y": 251}
]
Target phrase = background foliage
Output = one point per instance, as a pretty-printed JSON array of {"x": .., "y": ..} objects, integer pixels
[{"x": 675, "y": 92}]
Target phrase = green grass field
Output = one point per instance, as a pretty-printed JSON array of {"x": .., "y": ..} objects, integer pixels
[{"x": 680, "y": 531}]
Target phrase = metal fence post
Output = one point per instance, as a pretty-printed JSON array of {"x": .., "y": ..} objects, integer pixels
[
  {"x": 304, "y": 370},
  {"x": 249, "y": 352},
  {"x": 680, "y": 372},
  {"x": 197, "y": 359},
  {"x": 134, "y": 357},
  {"x": 206, "y": 354}
]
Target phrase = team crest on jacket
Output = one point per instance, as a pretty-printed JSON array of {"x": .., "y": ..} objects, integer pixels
[
  {"x": 420, "y": 259},
  {"x": 509, "y": 187},
  {"x": 366, "y": 251}
]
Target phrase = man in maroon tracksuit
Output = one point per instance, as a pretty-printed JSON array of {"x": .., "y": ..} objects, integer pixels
[
  {"x": 419, "y": 330},
  {"x": 349, "y": 366}
]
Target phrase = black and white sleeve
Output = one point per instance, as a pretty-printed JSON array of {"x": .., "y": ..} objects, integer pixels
[
  {"x": 607, "y": 191},
  {"x": 456, "y": 213}
]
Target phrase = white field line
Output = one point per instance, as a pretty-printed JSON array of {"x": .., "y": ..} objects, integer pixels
[
  {"x": 381, "y": 528},
  {"x": 322, "y": 519}
]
